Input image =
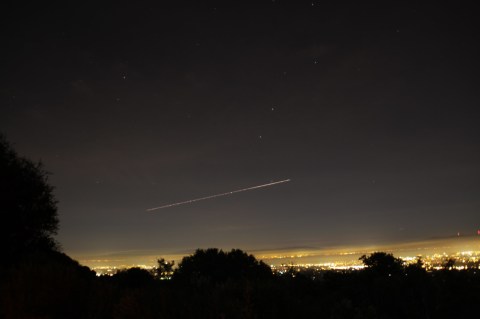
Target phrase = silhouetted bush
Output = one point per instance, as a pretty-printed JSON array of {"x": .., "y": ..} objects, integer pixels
[
  {"x": 46, "y": 284},
  {"x": 215, "y": 266},
  {"x": 133, "y": 278},
  {"x": 381, "y": 263},
  {"x": 27, "y": 205}
]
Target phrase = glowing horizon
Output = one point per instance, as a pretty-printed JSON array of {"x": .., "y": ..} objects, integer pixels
[{"x": 287, "y": 255}]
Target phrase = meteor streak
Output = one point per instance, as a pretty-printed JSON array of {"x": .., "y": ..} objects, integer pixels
[{"x": 218, "y": 195}]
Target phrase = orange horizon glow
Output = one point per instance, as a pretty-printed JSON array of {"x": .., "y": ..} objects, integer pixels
[{"x": 277, "y": 257}]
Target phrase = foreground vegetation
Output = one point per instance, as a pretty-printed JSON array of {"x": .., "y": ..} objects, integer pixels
[{"x": 214, "y": 284}]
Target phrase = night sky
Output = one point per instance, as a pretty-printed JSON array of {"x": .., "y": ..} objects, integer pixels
[{"x": 371, "y": 111}]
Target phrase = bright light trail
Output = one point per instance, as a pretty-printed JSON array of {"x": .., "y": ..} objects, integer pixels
[{"x": 218, "y": 195}]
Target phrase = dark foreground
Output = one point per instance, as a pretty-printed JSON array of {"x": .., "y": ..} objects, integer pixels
[{"x": 214, "y": 284}]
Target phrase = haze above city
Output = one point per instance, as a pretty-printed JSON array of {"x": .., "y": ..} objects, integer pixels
[{"x": 367, "y": 113}]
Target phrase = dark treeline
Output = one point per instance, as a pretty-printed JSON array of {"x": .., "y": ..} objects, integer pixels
[
  {"x": 216, "y": 284},
  {"x": 38, "y": 281}
]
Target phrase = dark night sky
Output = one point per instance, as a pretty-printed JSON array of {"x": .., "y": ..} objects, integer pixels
[{"x": 372, "y": 111}]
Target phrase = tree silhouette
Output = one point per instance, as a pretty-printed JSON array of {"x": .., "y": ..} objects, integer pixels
[
  {"x": 449, "y": 264},
  {"x": 382, "y": 263},
  {"x": 213, "y": 266},
  {"x": 417, "y": 268},
  {"x": 133, "y": 277},
  {"x": 27, "y": 205},
  {"x": 164, "y": 269}
]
